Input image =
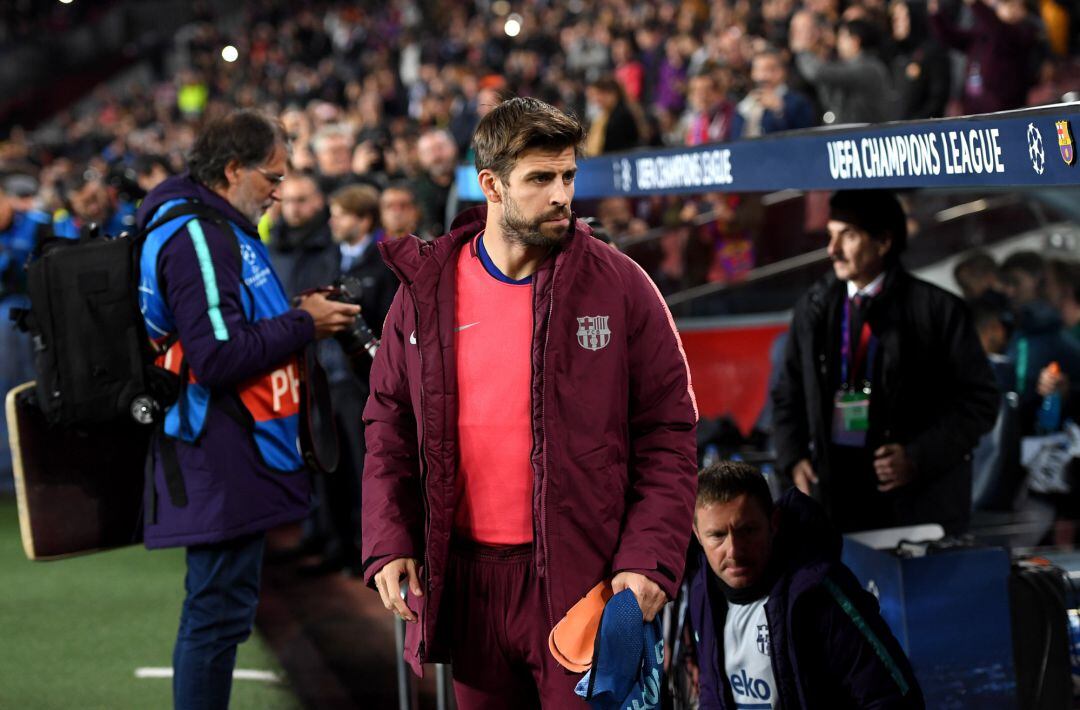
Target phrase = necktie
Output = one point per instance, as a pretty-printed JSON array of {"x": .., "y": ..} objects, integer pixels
[{"x": 858, "y": 311}]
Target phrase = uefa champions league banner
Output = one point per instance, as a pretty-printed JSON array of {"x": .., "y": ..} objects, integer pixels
[{"x": 1028, "y": 148}]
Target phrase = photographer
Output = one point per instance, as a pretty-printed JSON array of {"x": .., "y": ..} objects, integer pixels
[
  {"x": 354, "y": 215},
  {"x": 90, "y": 200},
  {"x": 353, "y": 264},
  {"x": 226, "y": 467}
]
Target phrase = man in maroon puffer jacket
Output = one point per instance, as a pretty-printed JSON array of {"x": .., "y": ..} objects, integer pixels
[{"x": 531, "y": 426}]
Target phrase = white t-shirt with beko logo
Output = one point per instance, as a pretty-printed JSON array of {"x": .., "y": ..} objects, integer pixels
[{"x": 747, "y": 662}]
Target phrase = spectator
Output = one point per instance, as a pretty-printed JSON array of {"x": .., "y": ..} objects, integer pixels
[
  {"x": 586, "y": 49},
  {"x": 771, "y": 106},
  {"x": 671, "y": 83},
  {"x": 333, "y": 146},
  {"x": 90, "y": 202},
  {"x": 920, "y": 66},
  {"x": 230, "y": 468},
  {"x": 398, "y": 213},
  {"x": 1063, "y": 292},
  {"x": 709, "y": 116},
  {"x": 999, "y": 47},
  {"x": 629, "y": 72},
  {"x": 976, "y": 274},
  {"x": 353, "y": 256},
  {"x": 299, "y": 239},
  {"x": 354, "y": 216},
  {"x": 776, "y": 18},
  {"x": 772, "y": 602},
  {"x": 650, "y": 51},
  {"x": 995, "y": 462},
  {"x": 433, "y": 187},
  {"x": 1038, "y": 339},
  {"x": 463, "y": 125},
  {"x": 885, "y": 389},
  {"x": 20, "y": 232},
  {"x": 829, "y": 10},
  {"x": 151, "y": 170},
  {"x": 614, "y": 125},
  {"x": 811, "y": 31},
  {"x": 856, "y": 87},
  {"x": 22, "y": 191},
  {"x": 1037, "y": 342}
]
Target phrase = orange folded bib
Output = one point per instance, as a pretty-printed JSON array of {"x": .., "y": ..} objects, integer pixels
[{"x": 571, "y": 641}]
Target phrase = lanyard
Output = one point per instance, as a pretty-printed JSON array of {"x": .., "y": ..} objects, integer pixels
[
  {"x": 865, "y": 351},
  {"x": 1021, "y": 364}
]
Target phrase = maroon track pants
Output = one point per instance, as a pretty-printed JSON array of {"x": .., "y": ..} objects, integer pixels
[{"x": 499, "y": 631}]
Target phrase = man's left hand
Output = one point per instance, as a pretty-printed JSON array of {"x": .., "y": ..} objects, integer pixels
[
  {"x": 650, "y": 597},
  {"x": 893, "y": 467}
]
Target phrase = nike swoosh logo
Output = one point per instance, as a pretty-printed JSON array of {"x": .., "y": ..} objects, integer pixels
[
  {"x": 412, "y": 338},
  {"x": 470, "y": 325}
]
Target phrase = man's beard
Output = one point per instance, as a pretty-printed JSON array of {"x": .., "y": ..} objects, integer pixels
[{"x": 517, "y": 229}]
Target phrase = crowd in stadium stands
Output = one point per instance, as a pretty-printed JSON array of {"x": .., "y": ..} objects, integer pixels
[
  {"x": 31, "y": 22},
  {"x": 388, "y": 94}
]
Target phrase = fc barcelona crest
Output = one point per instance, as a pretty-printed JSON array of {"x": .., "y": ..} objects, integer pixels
[
  {"x": 592, "y": 332},
  {"x": 1065, "y": 142}
]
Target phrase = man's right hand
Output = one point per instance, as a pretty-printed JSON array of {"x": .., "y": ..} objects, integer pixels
[
  {"x": 804, "y": 476},
  {"x": 388, "y": 582},
  {"x": 330, "y": 316}
]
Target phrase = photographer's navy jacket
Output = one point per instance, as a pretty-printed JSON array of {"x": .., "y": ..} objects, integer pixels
[
  {"x": 828, "y": 644},
  {"x": 235, "y": 427}
]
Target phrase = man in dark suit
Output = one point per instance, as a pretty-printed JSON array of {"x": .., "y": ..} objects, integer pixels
[
  {"x": 885, "y": 389},
  {"x": 771, "y": 105}
]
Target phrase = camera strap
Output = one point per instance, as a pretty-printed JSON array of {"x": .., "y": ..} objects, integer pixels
[{"x": 318, "y": 432}]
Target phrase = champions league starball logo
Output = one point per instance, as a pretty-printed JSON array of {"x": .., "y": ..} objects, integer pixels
[
  {"x": 248, "y": 255},
  {"x": 256, "y": 274},
  {"x": 1036, "y": 151}
]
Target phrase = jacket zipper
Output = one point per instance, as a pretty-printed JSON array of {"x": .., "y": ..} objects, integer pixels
[
  {"x": 425, "y": 469},
  {"x": 544, "y": 443}
]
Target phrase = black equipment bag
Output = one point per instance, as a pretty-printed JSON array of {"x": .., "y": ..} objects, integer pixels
[
  {"x": 1040, "y": 627},
  {"x": 93, "y": 358}
]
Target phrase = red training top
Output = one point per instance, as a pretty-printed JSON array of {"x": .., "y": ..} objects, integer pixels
[{"x": 493, "y": 342}]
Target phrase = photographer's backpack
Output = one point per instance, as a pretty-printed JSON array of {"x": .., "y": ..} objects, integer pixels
[
  {"x": 93, "y": 358},
  {"x": 81, "y": 435}
]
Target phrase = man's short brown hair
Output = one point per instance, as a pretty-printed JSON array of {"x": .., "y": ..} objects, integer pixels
[
  {"x": 725, "y": 481},
  {"x": 519, "y": 125},
  {"x": 359, "y": 200}
]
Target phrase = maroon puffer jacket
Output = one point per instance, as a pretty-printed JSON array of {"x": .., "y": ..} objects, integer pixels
[{"x": 613, "y": 424}]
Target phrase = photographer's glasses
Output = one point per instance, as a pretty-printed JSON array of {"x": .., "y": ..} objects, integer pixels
[{"x": 273, "y": 178}]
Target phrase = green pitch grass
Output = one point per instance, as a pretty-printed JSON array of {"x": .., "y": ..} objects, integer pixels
[{"x": 72, "y": 632}]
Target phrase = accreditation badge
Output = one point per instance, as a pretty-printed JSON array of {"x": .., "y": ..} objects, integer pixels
[{"x": 851, "y": 417}]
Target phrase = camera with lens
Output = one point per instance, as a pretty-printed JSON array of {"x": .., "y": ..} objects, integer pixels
[{"x": 358, "y": 337}]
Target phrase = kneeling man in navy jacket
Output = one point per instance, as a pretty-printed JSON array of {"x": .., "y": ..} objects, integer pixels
[{"x": 779, "y": 621}]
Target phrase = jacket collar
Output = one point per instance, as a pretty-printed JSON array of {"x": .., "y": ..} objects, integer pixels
[
  {"x": 187, "y": 188},
  {"x": 831, "y": 290},
  {"x": 418, "y": 263}
]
